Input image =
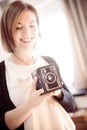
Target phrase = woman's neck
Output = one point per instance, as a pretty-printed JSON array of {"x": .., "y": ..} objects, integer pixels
[{"x": 23, "y": 59}]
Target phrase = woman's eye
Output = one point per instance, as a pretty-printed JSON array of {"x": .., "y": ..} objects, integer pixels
[{"x": 32, "y": 25}]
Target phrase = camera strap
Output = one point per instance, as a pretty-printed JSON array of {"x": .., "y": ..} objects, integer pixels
[{"x": 50, "y": 60}]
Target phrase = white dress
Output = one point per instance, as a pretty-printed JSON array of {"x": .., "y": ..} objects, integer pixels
[{"x": 44, "y": 117}]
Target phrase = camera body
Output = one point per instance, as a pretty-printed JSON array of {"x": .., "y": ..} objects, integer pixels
[{"x": 48, "y": 78}]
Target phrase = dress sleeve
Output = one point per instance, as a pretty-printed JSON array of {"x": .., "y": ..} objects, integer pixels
[
  {"x": 67, "y": 100},
  {"x": 5, "y": 102},
  {"x": 3, "y": 98},
  {"x": 2, "y": 122}
]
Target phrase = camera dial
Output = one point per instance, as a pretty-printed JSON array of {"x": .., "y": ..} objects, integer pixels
[{"x": 50, "y": 78}]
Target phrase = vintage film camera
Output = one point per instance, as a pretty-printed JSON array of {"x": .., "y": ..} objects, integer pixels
[{"x": 48, "y": 78}]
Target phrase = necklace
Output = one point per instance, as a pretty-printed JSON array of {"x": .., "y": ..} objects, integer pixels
[{"x": 26, "y": 63}]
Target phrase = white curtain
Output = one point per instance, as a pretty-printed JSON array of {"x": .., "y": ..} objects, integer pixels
[{"x": 76, "y": 11}]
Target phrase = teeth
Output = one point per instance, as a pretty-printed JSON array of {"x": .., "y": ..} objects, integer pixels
[{"x": 26, "y": 40}]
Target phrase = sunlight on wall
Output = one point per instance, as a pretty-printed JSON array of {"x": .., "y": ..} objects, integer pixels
[{"x": 56, "y": 42}]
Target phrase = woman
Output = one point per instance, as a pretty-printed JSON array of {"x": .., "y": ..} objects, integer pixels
[{"x": 20, "y": 103}]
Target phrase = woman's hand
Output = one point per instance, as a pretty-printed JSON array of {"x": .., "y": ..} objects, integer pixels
[
  {"x": 35, "y": 97},
  {"x": 57, "y": 93}
]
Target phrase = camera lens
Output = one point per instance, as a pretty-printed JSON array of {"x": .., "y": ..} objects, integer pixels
[{"x": 50, "y": 78}]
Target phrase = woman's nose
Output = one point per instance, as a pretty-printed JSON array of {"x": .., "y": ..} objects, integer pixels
[{"x": 27, "y": 32}]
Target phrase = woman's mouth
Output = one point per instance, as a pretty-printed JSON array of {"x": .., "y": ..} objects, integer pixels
[{"x": 26, "y": 40}]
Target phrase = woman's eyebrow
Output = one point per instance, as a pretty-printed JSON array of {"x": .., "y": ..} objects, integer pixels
[
  {"x": 19, "y": 23},
  {"x": 32, "y": 21}
]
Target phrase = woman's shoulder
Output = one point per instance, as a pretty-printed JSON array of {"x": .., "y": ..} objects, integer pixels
[
  {"x": 2, "y": 63},
  {"x": 2, "y": 68}
]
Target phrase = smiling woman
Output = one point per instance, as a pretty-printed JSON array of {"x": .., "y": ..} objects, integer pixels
[
  {"x": 60, "y": 40},
  {"x": 23, "y": 105}
]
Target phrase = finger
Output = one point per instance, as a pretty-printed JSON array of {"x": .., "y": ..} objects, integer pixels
[
  {"x": 47, "y": 95},
  {"x": 34, "y": 83},
  {"x": 38, "y": 92},
  {"x": 57, "y": 92}
]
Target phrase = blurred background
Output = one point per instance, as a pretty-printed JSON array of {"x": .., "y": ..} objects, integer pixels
[{"x": 63, "y": 27}]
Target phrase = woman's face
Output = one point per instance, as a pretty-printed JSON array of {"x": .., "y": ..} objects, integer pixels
[{"x": 26, "y": 31}]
